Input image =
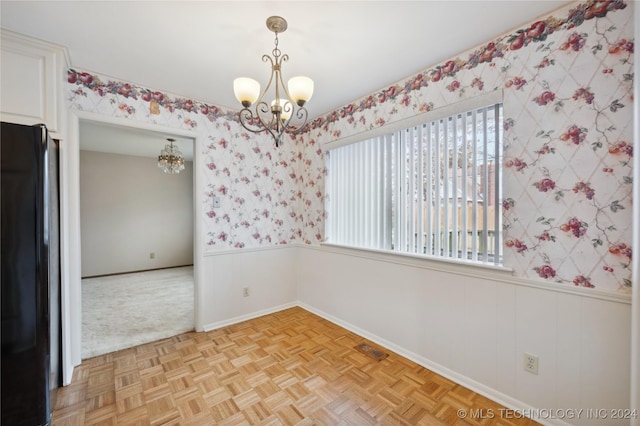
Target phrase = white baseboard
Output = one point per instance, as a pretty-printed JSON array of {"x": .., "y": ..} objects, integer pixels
[
  {"x": 252, "y": 315},
  {"x": 502, "y": 399}
]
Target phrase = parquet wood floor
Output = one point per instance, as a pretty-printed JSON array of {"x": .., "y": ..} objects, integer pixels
[{"x": 288, "y": 368}]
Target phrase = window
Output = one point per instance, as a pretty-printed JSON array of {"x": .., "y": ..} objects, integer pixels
[{"x": 431, "y": 189}]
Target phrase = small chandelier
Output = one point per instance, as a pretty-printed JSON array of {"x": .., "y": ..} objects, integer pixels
[
  {"x": 286, "y": 105},
  {"x": 170, "y": 159}
]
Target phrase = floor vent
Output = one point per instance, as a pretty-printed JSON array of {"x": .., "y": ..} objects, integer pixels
[{"x": 374, "y": 353}]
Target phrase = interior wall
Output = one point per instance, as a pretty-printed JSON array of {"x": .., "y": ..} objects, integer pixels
[
  {"x": 568, "y": 102},
  {"x": 568, "y": 117},
  {"x": 129, "y": 209},
  {"x": 257, "y": 185},
  {"x": 475, "y": 329},
  {"x": 275, "y": 197},
  {"x": 268, "y": 276}
]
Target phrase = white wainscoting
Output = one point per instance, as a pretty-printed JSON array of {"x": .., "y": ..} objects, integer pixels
[
  {"x": 471, "y": 328},
  {"x": 268, "y": 273},
  {"x": 476, "y": 329}
]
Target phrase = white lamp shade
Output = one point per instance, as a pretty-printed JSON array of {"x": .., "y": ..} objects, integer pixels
[
  {"x": 246, "y": 90},
  {"x": 300, "y": 89}
]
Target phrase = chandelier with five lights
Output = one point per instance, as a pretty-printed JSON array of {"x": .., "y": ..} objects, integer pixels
[{"x": 279, "y": 110}]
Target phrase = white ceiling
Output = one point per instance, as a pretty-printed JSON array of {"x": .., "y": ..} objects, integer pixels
[{"x": 196, "y": 48}]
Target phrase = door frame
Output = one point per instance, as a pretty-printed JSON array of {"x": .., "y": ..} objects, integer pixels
[{"x": 71, "y": 289}]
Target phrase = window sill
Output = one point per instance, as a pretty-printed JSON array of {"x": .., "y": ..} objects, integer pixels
[
  {"x": 423, "y": 261},
  {"x": 475, "y": 270}
]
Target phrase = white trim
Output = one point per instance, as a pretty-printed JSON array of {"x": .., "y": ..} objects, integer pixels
[
  {"x": 70, "y": 274},
  {"x": 458, "y": 378},
  {"x": 71, "y": 291},
  {"x": 125, "y": 122},
  {"x": 198, "y": 233},
  {"x": 37, "y": 42},
  {"x": 55, "y": 61},
  {"x": 435, "y": 260},
  {"x": 246, "y": 317},
  {"x": 490, "y": 98},
  {"x": 227, "y": 251},
  {"x": 483, "y": 271}
]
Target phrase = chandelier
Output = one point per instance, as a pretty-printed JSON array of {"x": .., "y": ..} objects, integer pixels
[
  {"x": 285, "y": 111},
  {"x": 170, "y": 159}
]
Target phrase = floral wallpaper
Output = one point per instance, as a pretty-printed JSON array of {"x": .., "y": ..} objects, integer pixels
[
  {"x": 568, "y": 131},
  {"x": 257, "y": 183},
  {"x": 568, "y": 134}
]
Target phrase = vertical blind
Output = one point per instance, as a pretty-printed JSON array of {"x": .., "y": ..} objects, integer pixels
[{"x": 432, "y": 189}]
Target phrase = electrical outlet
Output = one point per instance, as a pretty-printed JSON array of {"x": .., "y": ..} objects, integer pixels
[
  {"x": 152, "y": 255},
  {"x": 531, "y": 363},
  {"x": 216, "y": 202},
  {"x": 245, "y": 292}
]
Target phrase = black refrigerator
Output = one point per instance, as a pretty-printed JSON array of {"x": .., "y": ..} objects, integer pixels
[{"x": 30, "y": 256}]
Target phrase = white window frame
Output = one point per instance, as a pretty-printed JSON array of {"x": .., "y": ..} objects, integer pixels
[{"x": 405, "y": 237}]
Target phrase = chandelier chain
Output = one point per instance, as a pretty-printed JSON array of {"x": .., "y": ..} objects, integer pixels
[{"x": 276, "y": 52}]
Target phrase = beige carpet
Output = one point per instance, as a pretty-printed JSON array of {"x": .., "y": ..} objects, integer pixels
[{"x": 121, "y": 311}]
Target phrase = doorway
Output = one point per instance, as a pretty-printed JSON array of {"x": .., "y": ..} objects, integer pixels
[{"x": 136, "y": 238}]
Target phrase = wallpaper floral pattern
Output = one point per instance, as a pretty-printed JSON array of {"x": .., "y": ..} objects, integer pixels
[
  {"x": 567, "y": 83},
  {"x": 257, "y": 184}
]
